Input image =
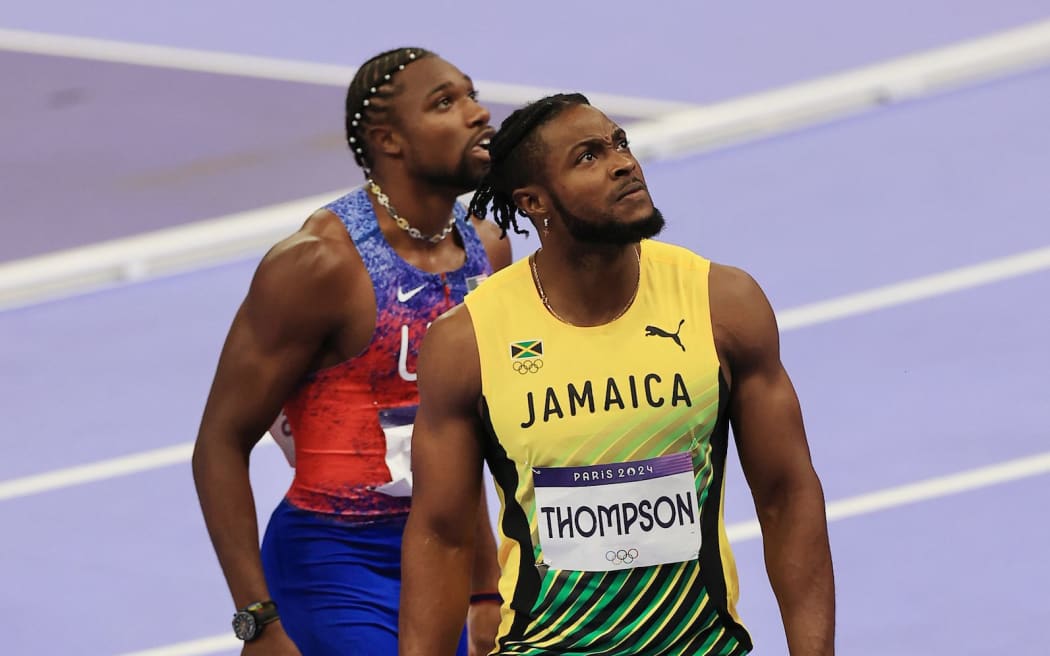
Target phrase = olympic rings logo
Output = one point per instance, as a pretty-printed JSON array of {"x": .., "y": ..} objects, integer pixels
[
  {"x": 530, "y": 366},
  {"x": 622, "y": 556}
]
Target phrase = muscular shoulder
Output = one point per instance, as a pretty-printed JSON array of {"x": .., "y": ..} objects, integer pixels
[
  {"x": 497, "y": 246},
  {"x": 742, "y": 318},
  {"x": 453, "y": 332},
  {"x": 308, "y": 272},
  {"x": 448, "y": 365},
  {"x": 318, "y": 254}
]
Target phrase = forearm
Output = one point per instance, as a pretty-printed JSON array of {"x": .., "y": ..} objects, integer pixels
[
  {"x": 224, "y": 490},
  {"x": 485, "y": 576},
  {"x": 436, "y": 583},
  {"x": 798, "y": 561}
]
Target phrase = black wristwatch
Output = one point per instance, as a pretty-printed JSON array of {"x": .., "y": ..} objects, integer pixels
[{"x": 249, "y": 621}]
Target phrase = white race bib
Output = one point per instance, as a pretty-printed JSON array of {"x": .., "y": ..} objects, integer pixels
[
  {"x": 397, "y": 426},
  {"x": 601, "y": 518},
  {"x": 281, "y": 432}
]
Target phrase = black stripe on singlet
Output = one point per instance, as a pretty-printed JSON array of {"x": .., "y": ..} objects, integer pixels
[
  {"x": 710, "y": 549},
  {"x": 515, "y": 525}
]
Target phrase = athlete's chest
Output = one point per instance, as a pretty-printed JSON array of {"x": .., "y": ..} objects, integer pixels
[
  {"x": 567, "y": 391},
  {"x": 407, "y": 301}
]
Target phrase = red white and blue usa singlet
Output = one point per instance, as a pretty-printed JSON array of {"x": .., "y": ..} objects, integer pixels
[{"x": 352, "y": 421}]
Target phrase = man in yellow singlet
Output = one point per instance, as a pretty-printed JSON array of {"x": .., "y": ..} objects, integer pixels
[{"x": 599, "y": 378}]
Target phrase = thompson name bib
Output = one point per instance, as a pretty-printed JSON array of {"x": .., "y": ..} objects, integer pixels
[{"x": 600, "y": 518}]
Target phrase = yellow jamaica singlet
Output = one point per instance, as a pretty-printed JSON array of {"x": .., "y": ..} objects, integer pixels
[{"x": 608, "y": 446}]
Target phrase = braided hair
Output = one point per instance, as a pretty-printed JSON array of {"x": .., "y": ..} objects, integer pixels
[
  {"x": 515, "y": 152},
  {"x": 368, "y": 99}
]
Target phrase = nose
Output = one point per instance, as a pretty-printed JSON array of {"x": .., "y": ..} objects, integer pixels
[
  {"x": 477, "y": 114},
  {"x": 623, "y": 165}
]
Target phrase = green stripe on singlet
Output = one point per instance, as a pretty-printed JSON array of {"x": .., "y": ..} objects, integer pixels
[
  {"x": 591, "y": 602},
  {"x": 670, "y": 598},
  {"x": 637, "y": 431},
  {"x": 628, "y": 618},
  {"x": 653, "y": 623}
]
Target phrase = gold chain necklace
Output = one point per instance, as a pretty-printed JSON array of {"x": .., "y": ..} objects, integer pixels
[
  {"x": 384, "y": 200},
  {"x": 546, "y": 301}
]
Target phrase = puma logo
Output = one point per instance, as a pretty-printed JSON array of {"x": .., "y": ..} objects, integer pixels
[{"x": 653, "y": 331}]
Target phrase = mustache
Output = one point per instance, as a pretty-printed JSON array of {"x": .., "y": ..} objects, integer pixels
[{"x": 633, "y": 185}]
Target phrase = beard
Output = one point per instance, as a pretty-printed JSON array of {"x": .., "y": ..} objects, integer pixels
[
  {"x": 463, "y": 178},
  {"x": 607, "y": 230}
]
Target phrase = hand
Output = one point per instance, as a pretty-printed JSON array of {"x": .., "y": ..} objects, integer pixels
[
  {"x": 482, "y": 624},
  {"x": 273, "y": 642}
]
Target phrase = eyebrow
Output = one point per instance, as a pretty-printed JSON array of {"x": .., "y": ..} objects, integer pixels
[
  {"x": 439, "y": 88},
  {"x": 617, "y": 133},
  {"x": 444, "y": 85}
]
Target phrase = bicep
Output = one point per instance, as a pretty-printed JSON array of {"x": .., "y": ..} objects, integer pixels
[
  {"x": 446, "y": 450},
  {"x": 253, "y": 378},
  {"x": 768, "y": 427},
  {"x": 764, "y": 407},
  {"x": 271, "y": 344}
]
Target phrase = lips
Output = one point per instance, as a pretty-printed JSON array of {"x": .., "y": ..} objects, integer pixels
[
  {"x": 630, "y": 188},
  {"x": 480, "y": 147},
  {"x": 484, "y": 140}
]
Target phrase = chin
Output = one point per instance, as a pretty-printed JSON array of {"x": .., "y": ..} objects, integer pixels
[
  {"x": 639, "y": 216},
  {"x": 473, "y": 173}
]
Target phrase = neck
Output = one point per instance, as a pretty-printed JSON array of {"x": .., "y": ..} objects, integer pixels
[
  {"x": 424, "y": 206},
  {"x": 589, "y": 286}
]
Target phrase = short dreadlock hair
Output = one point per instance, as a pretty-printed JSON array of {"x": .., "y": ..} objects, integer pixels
[
  {"x": 515, "y": 152},
  {"x": 368, "y": 99}
]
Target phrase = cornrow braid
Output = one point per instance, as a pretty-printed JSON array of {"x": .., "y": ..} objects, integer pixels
[
  {"x": 515, "y": 153},
  {"x": 368, "y": 97}
]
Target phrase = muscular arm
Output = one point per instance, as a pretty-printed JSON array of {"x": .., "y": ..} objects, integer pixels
[
  {"x": 484, "y": 618},
  {"x": 767, "y": 422},
  {"x": 439, "y": 541},
  {"x": 276, "y": 334}
]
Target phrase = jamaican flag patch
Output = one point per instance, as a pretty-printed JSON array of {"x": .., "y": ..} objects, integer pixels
[{"x": 531, "y": 348}]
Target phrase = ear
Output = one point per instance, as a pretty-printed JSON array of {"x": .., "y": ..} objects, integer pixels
[
  {"x": 532, "y": 200},
  {"x": 383, "y": 138}
]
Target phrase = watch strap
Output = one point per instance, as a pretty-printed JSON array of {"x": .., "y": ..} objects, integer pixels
[{"x": 263, "y": 611}]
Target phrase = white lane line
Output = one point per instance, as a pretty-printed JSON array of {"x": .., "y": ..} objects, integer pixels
[
  {"x": 285, "y": 70},
  {"x": 826, "y": 99},
  {"x": 916, "y": 289},
  {"x": 790, "y": 319},
  {"x": 212, "y": 645},
  {"x": 675, "y": 132},
  {"x": 931, "y": 488},
  {"x": 153, "y": 254},
  {"x": 102, "y": 470},
  {"x": 863, "y": 504},
  {"x": 96, "y": 471}
]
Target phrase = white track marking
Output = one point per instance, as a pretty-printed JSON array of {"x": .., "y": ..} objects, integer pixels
[
  {"x": 677, "y": 133},
  {"x": 790, "y": 319},
  {"x": 931, "y": 488},
  {"x": 168, "y": 251},
  {"x": 212, "y": 645},
  {"x": 284, "y": 70},
  {"x": 863, "y": 504},
  {"x": 702, "y": 129},
  {"x": 96, "y": 471},
  {"x": 916, "y": 289},
  {"x": 101, "y": 470}
]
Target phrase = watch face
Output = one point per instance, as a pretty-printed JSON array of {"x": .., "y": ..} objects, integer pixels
[{"x": 244, "y": 626}]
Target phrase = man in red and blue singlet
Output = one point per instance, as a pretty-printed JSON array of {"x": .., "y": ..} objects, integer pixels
[{"x": 329, "y": 331}]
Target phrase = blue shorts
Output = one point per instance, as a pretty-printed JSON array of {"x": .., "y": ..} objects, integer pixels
[{"x": 336, "y": 584}]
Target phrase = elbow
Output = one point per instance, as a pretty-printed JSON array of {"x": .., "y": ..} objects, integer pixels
[
  {"x": 199, "y": 461},
  {"x": 447, "y": 529},
  {"x": 788, "y": 496},
  {"x": 213, "y": 456}
]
